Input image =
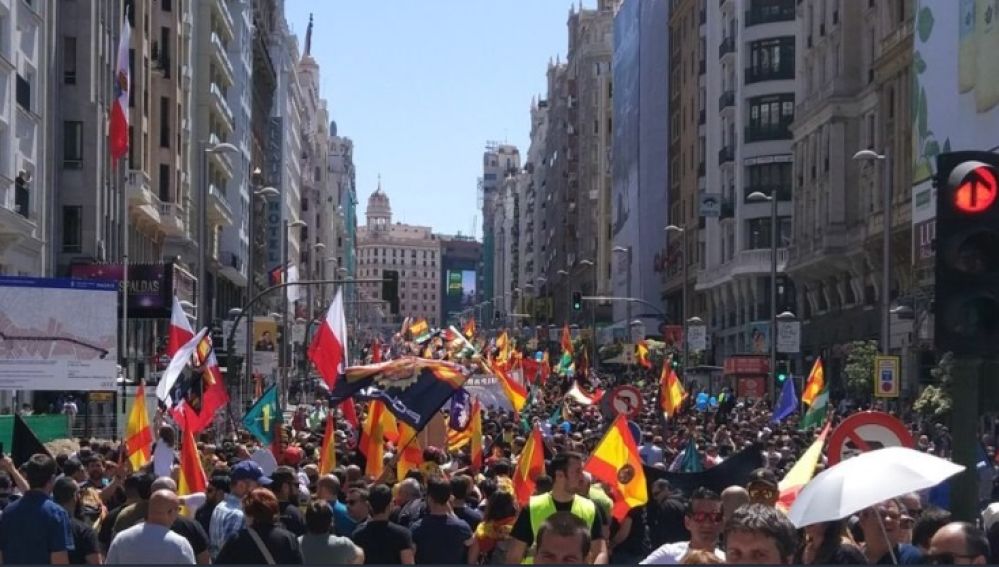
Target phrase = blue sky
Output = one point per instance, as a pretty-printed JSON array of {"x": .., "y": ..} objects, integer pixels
[{"x": 420, "y": 86}]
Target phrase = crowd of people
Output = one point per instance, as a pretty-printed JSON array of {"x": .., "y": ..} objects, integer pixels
[{"x": 89, "y": 506}]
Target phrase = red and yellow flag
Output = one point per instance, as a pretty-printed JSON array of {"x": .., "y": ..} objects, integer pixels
[
  {"x": 801, "y": 473},
  {"x": 615, "y": 461},
  {"x": 515, "y": 391},
  {"x": 192, "y": 472},
  {"x": 642, "y": 354},
  {"x": 372, "y": 442},
  {"x": 476, "y": 435},
  {"x": 504, "y": 348},
  {"x": 671, "y": 393},
  {"x": 390, "y": 426},
  {"x": 530, "y": 464},
  {"x": 412, "y": 451},
  {"x": 816, "y": 382},
  {"x": 469, "y": 329},
  {"x": 327, "y": 452},
  {"x": 138, "y": 433},
  {"x": 567, "y": 341}
]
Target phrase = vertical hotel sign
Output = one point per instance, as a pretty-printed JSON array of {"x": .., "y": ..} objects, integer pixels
[{"x": 275, "y": 177}]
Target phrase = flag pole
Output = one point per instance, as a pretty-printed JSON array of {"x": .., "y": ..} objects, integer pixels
[{"x": 123, "y": 357}]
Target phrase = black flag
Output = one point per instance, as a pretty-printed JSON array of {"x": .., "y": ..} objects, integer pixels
[
  {"x": 732, "y": 471},
  {"x": 24, "y": 443}
]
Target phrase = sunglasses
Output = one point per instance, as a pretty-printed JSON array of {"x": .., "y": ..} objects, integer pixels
[
  {"x": 946, "y": 558},
  {"x": 762, "y": 493},
  {"x": 703, "y": 517}
]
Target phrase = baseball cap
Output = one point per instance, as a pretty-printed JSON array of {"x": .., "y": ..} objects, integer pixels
[{"x": 249, "y": 470}]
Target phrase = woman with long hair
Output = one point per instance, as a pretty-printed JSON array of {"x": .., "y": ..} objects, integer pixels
[
  {"x": 492, "y": 536},
  {"x": 261, "y": 541},
  {"x": 829, "y": 543}
]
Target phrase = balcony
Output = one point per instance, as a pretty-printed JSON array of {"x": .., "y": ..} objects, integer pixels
[
  {"x": 726, "y": 47},
  {"x": 173, "y": 220},
  {"x": 726, "y": 100},
  {"x": 783, "y": 73},
  {"x": 185, "y": 75},
  {"x": 144, "y": 205},
  {"x": 231, "y": 265},
  {"x": 726, "y": 155},
  {"x": 746, "y": 262},
  {"x": 222, "y": 11},
  {"x": 766, "y": 134},
  {"x": 769, "y": 12},
  {"x": 222, "y": 59},
  {"x": 222, "y": 159},
  {"x": 783, "y": 191},
  {"x": 219, "y": 212},
  {"x": 220, "y": 105}
]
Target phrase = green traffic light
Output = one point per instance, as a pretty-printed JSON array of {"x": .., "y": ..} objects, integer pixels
[{"x": 781, "y": 377}]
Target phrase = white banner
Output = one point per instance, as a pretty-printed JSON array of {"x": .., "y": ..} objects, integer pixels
[
  {"x": 789, "y": 336},
  {"x": 697, "y": 338}
]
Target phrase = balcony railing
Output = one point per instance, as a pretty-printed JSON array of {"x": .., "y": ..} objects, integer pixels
[
  {"x": 759, "y": 75},
  {"x": 770, "y": 11},
  {"x": 726, "y": 100},
  {"x": 726, "y": 46},
  {"x": 222, "y": 57},
  {"x": 726, "y": 154},
  {"x": 765, "y": 134},
  {"x": 220, "y": 99}
]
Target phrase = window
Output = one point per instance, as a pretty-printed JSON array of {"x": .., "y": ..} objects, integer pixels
[
  {"x": 131, "y": 91},
  {"x": 769, "y": 117},
  {"x": 72, "y": 228},
  {"x": 165, "y": 106},
  {"x": 69, "y": 60},
  {"x": 167, "y": 5},
  {"x": 72, "y": 144},
  {"x": 771, "y": 59},
  {"x": 164, "y": 179},
  {"x": 767, "y": 177},
  {"x": 23, "y": 92}
]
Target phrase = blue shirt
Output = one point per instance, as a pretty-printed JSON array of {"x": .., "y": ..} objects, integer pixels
[
  {"x": 343, "y": 524},
  {"x": 33, "y": 528},
  {"x": 227, "y": 520},
  {"x": 441, "y": 539}
]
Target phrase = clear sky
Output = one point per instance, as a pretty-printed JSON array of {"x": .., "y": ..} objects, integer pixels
[{"x": 421, "y": 85}]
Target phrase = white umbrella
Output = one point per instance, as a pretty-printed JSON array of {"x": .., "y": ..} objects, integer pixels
[{"x": 865, "y": 480}]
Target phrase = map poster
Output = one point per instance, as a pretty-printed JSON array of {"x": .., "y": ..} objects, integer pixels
[{"x": 58, "y": 334}]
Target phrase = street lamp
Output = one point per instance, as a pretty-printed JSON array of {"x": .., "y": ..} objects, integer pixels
[
  {"x": 757, "y": 196},
  {"x": 683, "y": 291},
  {"x": 627, "y": 251},
  {"x": 206, "y": 149},
  {"x": 286, "y": 307},
  {"x": 871, "y": 155},
  {"x": 266, "y": 193}
]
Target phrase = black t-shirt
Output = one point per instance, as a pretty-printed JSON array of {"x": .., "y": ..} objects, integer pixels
[
  {"x": 637, "y": 542},
  {"x": 241, "y": 549},
  {"x": 292, "y": 518},
  {"x": 84, "y": 542},
  {"x": 523, "y": 531},
  {"x": 440, "y": 540},
  {"x": 382, "y": 541},
  {"x": 106, "y": 533},
  {"x": 192, "y": 532},
  {"x": 471, "y": 516},
  {"x": 666, "y": 522},
  {"x": 204, "y": 515}
]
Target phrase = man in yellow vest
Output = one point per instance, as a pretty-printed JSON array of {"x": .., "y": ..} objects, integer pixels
[{"x": 566, "y": 470}]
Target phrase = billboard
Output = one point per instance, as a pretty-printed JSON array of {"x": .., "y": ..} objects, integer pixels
[
  {"x": 150, "y": 286},
  {"x": 58, "y": 334},
  {"x": 266, "y": 345},
  {"x": 955, "y": 96},
  {"x": 461, "y": 287}
]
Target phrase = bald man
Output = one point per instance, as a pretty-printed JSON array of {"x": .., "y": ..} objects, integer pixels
[
  {"x": 186, "y": 527},
  {"x": 733, "y": 497},
  {"x": 152, "y": 541},
  {"x": 958, "y": 543}
]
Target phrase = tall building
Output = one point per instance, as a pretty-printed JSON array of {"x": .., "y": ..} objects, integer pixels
[
  {"x": 498, "y": 161},
  {"x": 853, "y": 92},
  {"x": 412, "y": 251},
  {"x": 640, "y": 70},
  {"x": 553, "y": 192},
  {"x": 531, "y": 194},
  {"x": 749, "y": 100},
  {"x": 506, "y": 245},
  {"x": 343, "y": 180},
  {"x": 461, "y": 257}
]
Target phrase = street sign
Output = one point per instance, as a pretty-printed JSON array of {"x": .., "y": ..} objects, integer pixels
[
  {"x": 710, "y": 204},
  {"x": 886, "y": 376},
  {"x": 866, "y": 431},
  {"x": 626, "y": 400},
  {"x": 697, "y": 337},
  {"x": 789, "y": 336}
]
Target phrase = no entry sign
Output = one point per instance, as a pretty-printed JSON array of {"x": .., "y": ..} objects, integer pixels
[
  {"x": 862, "y": 432},
  {"x": 626, "y": 400}
]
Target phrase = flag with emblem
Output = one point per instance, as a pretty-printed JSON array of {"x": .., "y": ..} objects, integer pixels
[
  {"x": 138, "y": 433},
  {"x": 671, "y": 393},
  {"x": 203, "y": 392},
  {"x": 815, "y": 384},
  {"x": 616, "y": 463},
  {"x": 530, "y": 464},
  {"x": 420, "y": 331},
  {"x": 514, "y": 390},
  {"x": 264, "y": 418}
]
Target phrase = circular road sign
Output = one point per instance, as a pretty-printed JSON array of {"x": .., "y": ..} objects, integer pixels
[
  {"x": 867, "y": 431},
  {"x": 626, "y": 400}
]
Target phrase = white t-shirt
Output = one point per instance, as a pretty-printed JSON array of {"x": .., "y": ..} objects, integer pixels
[
  {"x": 672, "y": 554},
  {"x": 163, "y": 456},
  {"x": 149, "y": 543}
]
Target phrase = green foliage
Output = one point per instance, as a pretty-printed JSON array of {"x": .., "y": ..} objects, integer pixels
[
  {"x": 935, "y": 401},
  {"x": 859, "y": 369}
]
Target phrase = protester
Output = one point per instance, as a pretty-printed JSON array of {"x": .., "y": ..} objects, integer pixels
[
  {"x": 881, "y": 536},
  {"x": 319, "y": 546},
  {"x": 86, "y": 550},
  {"x": 35, "y": 529},
  {"x": 187, "y": 528},
  {"x": 562, "y": 539},
  {"x": 261, "y": 540},
  {"x": 152, "y": 541},
  {"x": 383, "y": 542},
  {"x": 959, "y": 543},
  {"x": 757, "y": 534},
  {"x": 703, "y": 519},
  {"x": 227, "y": 519},
  {"x": 440, "y": 536},
  {"x": 829, "y": 543}
]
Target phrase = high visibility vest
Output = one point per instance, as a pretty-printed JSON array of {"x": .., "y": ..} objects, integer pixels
[{"x": 543, "y": 506}]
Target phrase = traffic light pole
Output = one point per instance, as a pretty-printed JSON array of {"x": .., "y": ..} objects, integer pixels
[{"x": 966, "y": 373}]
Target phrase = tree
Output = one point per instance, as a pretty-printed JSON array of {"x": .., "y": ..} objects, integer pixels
[
  {"x": 935, "y": 401},
  {"x": 859, "y": 369}
]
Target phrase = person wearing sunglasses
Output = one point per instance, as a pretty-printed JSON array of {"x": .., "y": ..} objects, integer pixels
[
  {"x": 958, "y": 543},
  {"x": 762, "y": 487},
  {"x": 703, "y": 519},
  {"x": 880, "y": 544}
]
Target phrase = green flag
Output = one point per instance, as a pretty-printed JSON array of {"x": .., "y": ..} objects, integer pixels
[
  {"x": 691, "y": 462},
  {"x": 264, "y": 418},
  {"x": 816, "y": 414}
]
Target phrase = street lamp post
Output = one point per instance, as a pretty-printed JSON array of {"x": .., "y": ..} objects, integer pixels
[
  {"x": 683, "y": 293},
  {"x": 870, "y": 155},
  {"x": 772, "y": 199},
  {"x": 286, "y": 307},
  {"x": 627, "y": 251},
  {"x": 264, "y": 192},
  {"x": 204, "y": 315}
]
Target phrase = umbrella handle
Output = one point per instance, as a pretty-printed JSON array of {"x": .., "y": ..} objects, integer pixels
[{"x": 884, "y": 532}]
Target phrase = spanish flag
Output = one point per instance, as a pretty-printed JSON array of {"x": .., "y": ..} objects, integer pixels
[
  {"x": 816, "y": 382},
  {"x": 514, "y": 390},
  {"x": 420, "y": 330},
  {"x": 503, "y": 348},
  {"x": 390, "y": 427},
  {"x": 530, "y": 464},
  {"x": 138, "y": 433},
  {"x": 327, "y": 452},
  {"x": 412, "y": 452},
  {"x": 671, "y": 392},
  {"x": 801, "y": 473},
  {"x": 372, "y": 442},
  {"x": 616, "y": 463},
  {"x": 642, "y": 354},
  {"x": 566, "y": 341},
  {"x": 192, "y": 473},
  {"x": 476, "y": 438},
  {"x": 469, "y": 329}
]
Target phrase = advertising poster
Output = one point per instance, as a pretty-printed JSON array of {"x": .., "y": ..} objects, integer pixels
[
  {"x": 149, "y": 286},
  {"x": 58, "y": 334},
  {"x": 265, "y": 345}
]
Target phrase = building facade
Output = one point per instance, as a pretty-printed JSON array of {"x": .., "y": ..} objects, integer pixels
[
  {"x": 412, "y": 251},
  {"x": 343, "y": 181},
  {"x": 461, "y": 258},
  {"x": 498, "y": 161}
]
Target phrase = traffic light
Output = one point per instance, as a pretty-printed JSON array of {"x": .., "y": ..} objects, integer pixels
[
  {"x": 782, "y": 373},
  {"x": 390, "y": 290},
  {"x": 967, "y": 253},
  {"x": 577, "y": 301}
]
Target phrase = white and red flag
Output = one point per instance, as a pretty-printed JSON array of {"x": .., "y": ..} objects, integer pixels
[
  {"x": 118, "y": 127},
  {"x": 328, "y": 350}
]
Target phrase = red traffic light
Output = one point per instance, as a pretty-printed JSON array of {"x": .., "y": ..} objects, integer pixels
[{"x": 974, "y": 186}]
